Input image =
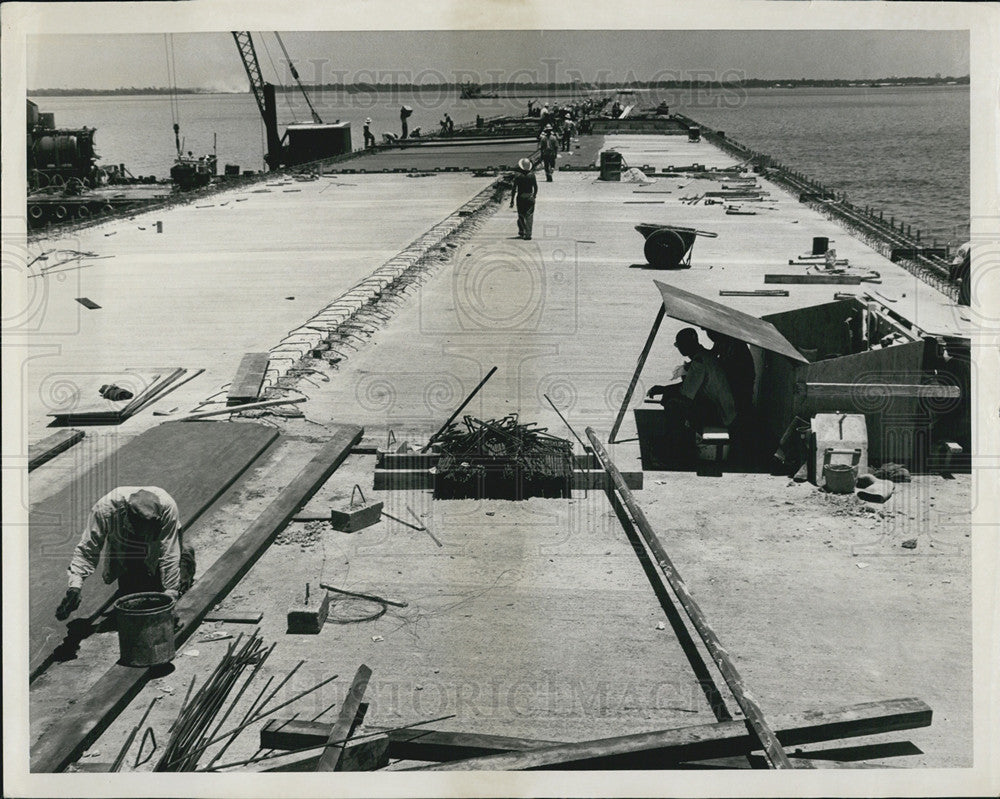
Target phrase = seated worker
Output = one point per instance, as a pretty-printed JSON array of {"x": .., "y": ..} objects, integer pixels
[
  {"x": 702, "y": 398},
  {"x": 140, "y": 530},
  {"x": 736, "y": 361}
]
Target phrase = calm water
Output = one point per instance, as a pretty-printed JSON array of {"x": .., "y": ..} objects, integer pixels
[{"x": 905, "y": 151}]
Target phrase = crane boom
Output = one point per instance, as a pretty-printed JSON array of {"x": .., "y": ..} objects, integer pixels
[
  {"x": 263, "y": 93},
  {"x": 248, "y": 54}
]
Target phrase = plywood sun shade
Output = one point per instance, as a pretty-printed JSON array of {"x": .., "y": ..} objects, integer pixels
[{"x": 710, "y": 315}]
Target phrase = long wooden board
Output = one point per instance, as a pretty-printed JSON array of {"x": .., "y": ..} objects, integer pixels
[
  {"x": 65, "y": 740},
  {"x": 840, "y": 280},
  {"x": 45, "y": 450},
  {"x": 249, "y": 378},
  {"x": 194, "y": 463},
  {"x": 756, "y": 721},
  {"x": 722, "y": 739},
  {"x": 410, "y": 744}
]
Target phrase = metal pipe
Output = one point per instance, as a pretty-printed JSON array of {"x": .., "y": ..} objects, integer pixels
[
  {"x": 773, "y": 751},
  {"x": 461, "y": 407}
]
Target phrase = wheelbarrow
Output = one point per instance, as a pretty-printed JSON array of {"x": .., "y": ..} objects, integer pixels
[{"x": 669, "y": 246}]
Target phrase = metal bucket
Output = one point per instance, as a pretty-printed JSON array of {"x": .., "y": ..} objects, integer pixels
[
  {"x": 839, "y": 478},
  {"x": 820, "y": 245},
  {"x": 145, "y": 628}
]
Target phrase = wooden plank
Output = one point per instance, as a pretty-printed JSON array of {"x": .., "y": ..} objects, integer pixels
[
  {"x": 195, "y": 464},
  {"x": 638, "y": 371},
  {"x": 88, "y": 303},
  {"x": 665, "y": 748},
  {"x": 423, "y": 480},
  {"x": 76, "y": 730},
  {"x": 847, "y": 390},
  {"x": 330, "y": 759},
  {"x": 410, "y": 744},
  {"x": 773, "y": 751},
  {"x": 235, "y": 617},
  {"x": 840, "y": 280},
  {"x": 50, "y": 446},
  {"x": 249, "y": 378}
]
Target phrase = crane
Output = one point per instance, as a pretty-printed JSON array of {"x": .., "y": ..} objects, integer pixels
[{"x": 306, "y": 141}]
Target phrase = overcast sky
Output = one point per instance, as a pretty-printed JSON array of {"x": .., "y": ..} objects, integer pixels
[{"x": 210, "y": 60}]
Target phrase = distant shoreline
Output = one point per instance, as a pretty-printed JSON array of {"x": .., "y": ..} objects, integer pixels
[{"x": 521, "y": 90}]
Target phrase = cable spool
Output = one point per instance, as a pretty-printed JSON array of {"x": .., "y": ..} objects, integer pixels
[
  {"x": 36, "y": 212},
  {"x": 60, "y": 212},
  {"x": 107, "y": 209},
  {"x": 83, "y": 212}
]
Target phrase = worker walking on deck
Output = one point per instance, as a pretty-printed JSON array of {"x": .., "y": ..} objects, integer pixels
[
  {"x": 702, "y": 398},
  {"x": 369, "y": 136},
  {"x": 569, "y": 126},
  {"x": 524, "y": 190},
  {"x": 139, "y": 530},
  {"x": 549, "y": 146}
]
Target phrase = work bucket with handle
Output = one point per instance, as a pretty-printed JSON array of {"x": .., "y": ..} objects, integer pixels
[{"x": 840, "y": 478}]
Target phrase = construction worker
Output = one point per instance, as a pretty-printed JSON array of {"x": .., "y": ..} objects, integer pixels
[
  {"x": 702, "y": 398},
  {"x": 525, "y": 189},
  {"x": 404, "y": 114},
  {"x": 961, "y": 273},
  {"x": 369, "y": 136},
  {"x": 141, "y": 533},
  {"x": 569, "y": 126},
  {"x": 737, "y": 364},
  {"x": 549, "y": 146}
]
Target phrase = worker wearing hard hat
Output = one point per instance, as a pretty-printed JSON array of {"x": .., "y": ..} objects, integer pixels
[
  {"x": 369, "y": 136},
  {"x": 139, "y": 530},
  {"x": 524, "y": 190}
]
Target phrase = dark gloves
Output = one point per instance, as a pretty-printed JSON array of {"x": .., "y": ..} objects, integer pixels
[
  {"x": 70, "y": 603},
  {"x": 655, "y": 390}
]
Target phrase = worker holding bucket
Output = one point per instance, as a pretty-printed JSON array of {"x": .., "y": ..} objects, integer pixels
[{"x": 139, "y": 529}]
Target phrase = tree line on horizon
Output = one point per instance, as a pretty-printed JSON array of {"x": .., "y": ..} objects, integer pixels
[{"x": 749, "y": 83}]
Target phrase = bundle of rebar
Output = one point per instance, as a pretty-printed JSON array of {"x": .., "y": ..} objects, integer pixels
[
  {"x": 190, "y": 731},
  {"x": 523, "y": 448}
]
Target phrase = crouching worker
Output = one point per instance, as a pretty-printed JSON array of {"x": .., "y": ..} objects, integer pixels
[
  {"x": 140, "y": 531},
  {"x": 703, "y": 398}
]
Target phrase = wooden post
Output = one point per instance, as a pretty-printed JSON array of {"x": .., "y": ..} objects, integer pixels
[
  {"x": 638, "y": 370},
  {"x": 773, "y": 752}
]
